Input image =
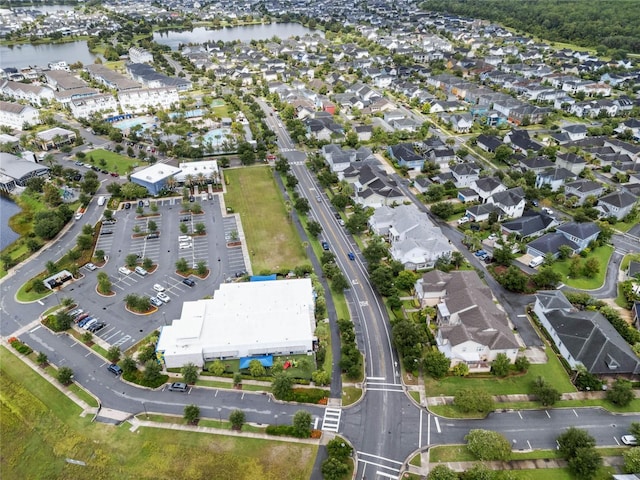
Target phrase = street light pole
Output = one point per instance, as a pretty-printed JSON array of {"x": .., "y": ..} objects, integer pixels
[
  {"x": 219, "y": 418},
  {"x": 276, "y": 417}
]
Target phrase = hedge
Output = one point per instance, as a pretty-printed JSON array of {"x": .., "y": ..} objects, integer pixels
[{"x": 137, "y": 377}]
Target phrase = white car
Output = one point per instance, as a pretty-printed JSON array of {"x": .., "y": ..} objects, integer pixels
[
  {"x": 185, "y": 245},
  {"x": 629, "y": 440},
  {"x": 463, "y": 220},
  {"x": 184, "y": 238},
  {"x": 158, "y": 288},
  {"x": 91, "y": 266},
  {"x": 141, "y": 271},
  {"x": 124, "y": 271},
  {"x": 164, "y": 297}
]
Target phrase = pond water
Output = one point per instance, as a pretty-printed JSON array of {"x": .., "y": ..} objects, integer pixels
[{"x": 8, "y": 209}]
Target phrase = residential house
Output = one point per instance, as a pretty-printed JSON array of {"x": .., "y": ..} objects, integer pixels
[
  {"x": 138, "y": 101},
  {"x": 86, "y": 107},
  {"x": 324, "y": 128},
  {"x": 582, "y": 189},
  {"x": 465, "y": 174},
  {"x": 511, "y": 201},
  {"x": 337, "y": 158},
  {"x": 471, "y": 327},
  {"x": 461, "y": 123},
  {"x": 617, "y": 204},
  {"x": 468, "y": 195},
  {"x": 584, "y": 337},
  {"x": 488, "y": 143},
  {"x": 364, "y": 132},
  {"x": 536, "y": 164},
  {"x": 405, "y": 154},
  {"x": 554, "y": 177},
  {"x": 480, "y": 213},
  {"x": 487, "y": 186},
  {"x": 582, "y": 234},
  {"x": 572, "y": 162},
  {"x": 530, "y": 224},
  {"x": 550, "y": 243},
  {"x": 372, "y": 186},
  {"x": 17, "y": 115},
  {"x": 520, "y": 141},
  {"x": 415, "y": 241},
  {"x": 34, "y": 94}
]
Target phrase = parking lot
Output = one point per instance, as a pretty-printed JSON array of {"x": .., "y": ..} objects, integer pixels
[{"x": 129, "y": 235}]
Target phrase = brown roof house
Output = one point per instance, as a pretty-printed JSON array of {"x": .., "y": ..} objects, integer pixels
[{"x": 471, "y": 327}]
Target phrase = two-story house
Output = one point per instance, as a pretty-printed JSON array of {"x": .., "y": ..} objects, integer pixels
[
  {"x": 582, "y": 189},
  {"x": 511, "y": 201},
  {"x": 471, "y": 328},
  {"x": 617, "y": 204}
]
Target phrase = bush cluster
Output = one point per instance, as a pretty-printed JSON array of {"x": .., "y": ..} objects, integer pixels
[
  {"x": 309, "y": 395},
  {"x": 351, "y": 358},
  {"x": 22, "y": 348}
]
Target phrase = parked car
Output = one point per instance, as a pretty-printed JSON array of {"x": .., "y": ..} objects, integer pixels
[
  {"x": 90, "y": 323},
  {"x": 185, "y": 245},
  {"x": 141, "y": 271},
  {"x": 127, "y": 206},
  {"x": 188, "y": 282},
  {"x": 114, "y": 174},
  {"x": 325, "y": 245},
  {"x": 184, "y": 238},
  {"x": 96, "y": 327},
  {"x": 155, "y": 302},
  {"x": 185, "y": 219},
  {"x": 109, "y": 222},
  {"x": 318, "y": 198},
  {"x": 140, "y": 203},
  {"x": 341, "y": 222},
  {"x": 84, "y": 321},
  {"x": 192, "y": 199},
  {"x": 493, "y": 236},
  {"x": 548, "y": 211},
  {"x": 151, "y": 236},
  {"x": 629, "y": 440},
  {"x": 115, "y": 369},
  {"x": 124, "y": 271},
  {"x": 164, "y": 297},
  {"x": 91, "y": 266},
  {"x": 178, "y": 387},
  {"x": 80, "y": 317},
  {"x": 462, "y": 220},
  {"x": 351, "y": 256},
  {"x": 158, "y": 288},
  {"x": 106, "y": 232},
  {"x": 337, "y": 215},
  {"x": 480, "y": 253},
  {"x": 76, "y": 313}
]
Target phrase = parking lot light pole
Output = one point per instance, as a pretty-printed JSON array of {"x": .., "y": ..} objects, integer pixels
[
  {"x": 219, "y": 417},
  {"x": 164, "y": 317}
]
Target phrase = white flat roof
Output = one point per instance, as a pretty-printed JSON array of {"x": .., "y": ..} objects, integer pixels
[
  {"x": 205, "y": 167},
  {"x": 155, "y": 173},
  {"x": 244, "y": 316}
]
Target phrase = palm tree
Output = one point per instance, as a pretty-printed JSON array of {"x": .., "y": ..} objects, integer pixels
[
  {"x": 171, "y": 183},
  {"x": 201, "y": 179},
  {"x": 188, "y": 181}
]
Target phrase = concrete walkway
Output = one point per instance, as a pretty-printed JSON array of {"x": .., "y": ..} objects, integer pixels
[{"x": 448, "y": 400}]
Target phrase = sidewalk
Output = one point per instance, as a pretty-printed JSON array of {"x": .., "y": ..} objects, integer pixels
[
  {"x": 448, "y": 400},
  {"x": 519, "y": 464}
]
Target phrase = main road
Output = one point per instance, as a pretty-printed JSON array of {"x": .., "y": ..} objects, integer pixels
[{"x": 386, "y": 427}]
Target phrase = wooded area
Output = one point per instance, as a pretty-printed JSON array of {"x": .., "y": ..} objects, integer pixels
[{"x": 612, "y": 24}]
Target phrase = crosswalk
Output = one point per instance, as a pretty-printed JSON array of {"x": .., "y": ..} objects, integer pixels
[
  {"x": 378, "y": 384},
  {"x": 331, "y": 420}
]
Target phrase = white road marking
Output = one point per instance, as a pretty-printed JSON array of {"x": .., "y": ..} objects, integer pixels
[
  {"x": 519, "y": 414},
  {"x": 575, "y": 413},
  {"x": 616, "y": 440},
  {"x": 384, "y": 390},
  {"x": 429, "y": 430},
  {"x": 530, "y": 447},
  {"x": 395, "y": 477},
  {"x": 380, "y": 465},
  {"x": 376, "y": 378},
  {"x": 547, "y": 412},
  {"x": 40, "y": 302},
  {"x": 216, "y": 393},
  {"x": 34, "y": 329},
  {"x": 420, "y": 431},
  {"x": 379, "y": 457},
  {"x": 87, "y": 354},
  {"x": 435, "y": 419}
]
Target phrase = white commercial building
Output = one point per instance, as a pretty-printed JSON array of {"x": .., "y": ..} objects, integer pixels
[
  {"x": 206, "y": 168},
  {"x": 243, "y": 319},
  {"x": 136, "y": 101},
  {"x": 16, "y": 115}
]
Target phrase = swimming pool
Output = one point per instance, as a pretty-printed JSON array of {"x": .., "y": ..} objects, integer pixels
[
  {"x": 146, "y": 122},
  {"x": 217, "y": 136},
  {"x": 189, "y": 114}
]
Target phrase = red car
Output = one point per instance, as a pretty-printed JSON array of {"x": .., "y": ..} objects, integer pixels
[{"x": 114, "y": 174}]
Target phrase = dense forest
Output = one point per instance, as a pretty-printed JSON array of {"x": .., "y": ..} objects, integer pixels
[{"x": 603, "y": 24}]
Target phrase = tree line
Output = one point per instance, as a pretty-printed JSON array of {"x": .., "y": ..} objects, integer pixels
[{"x": 608, "y": 24}]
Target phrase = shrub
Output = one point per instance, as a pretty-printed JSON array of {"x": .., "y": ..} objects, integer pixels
[
  {"x": 22, "y": 348},
  {"x": 488, "y": 445},
  {"x": 468, "y": 400},
  {"x": 217, "y": 368},
  {"x": 280, "y": 430}
]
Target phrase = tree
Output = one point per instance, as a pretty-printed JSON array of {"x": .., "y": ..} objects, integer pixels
[
  {"x": 591, "y": 267},
  {"x": 382, "y": 279},
  {"x": 547, "y": 395},
  {"x": 237, "y": 379},
  {"x": 340, "y": 201},
  {"x": 191, "y": 414},
  {"x": 84, "y": 242},
  {"x": 131, "y": 260},
  {"x": 575, "y": 267},
  {"x": 502, "y": 154},
  {"x": 585, "y": 463},
  {"x": 501, "y": 366},
  {"x": 282, "y": 386},
  {"x": 42, "y": 359},
  {"x": 338, "y": 448},
  {"x": 302, "y": 205},
  {"x": 621, "y": 392},
  {"x": 572, "y": 440},
  {"x": 189, "y": 373},
  {"x": 503, "y": 255},
  {"x": 201, "y": 267},
  {"x": 334, "y": 469},
  {"x": 152, "y": 370},
  {"x": 182, "y": 266},
  {"x": 443, "y": 210},
  {"x": 237, "y": 419},
  {"x": 546, "y": 277},
  {"x": 339, "y": 282},
  {"x": 632, "y": 460},
  {"x": 152, "y": 226},
  {"x": 256, "y": 369},
  {"x": 442, "y": 472},
  {"x": 64, "y": 375},
  {"x": 436, "y": 363},
  {"x": 128, "y": 364},
  {"x": 87, "y": 337},
  {"x": 113, "y": 354},
  {"x": 314, "y": 228},
  {"x": 217, "y": 368},
  {"x": 302, "y": 424},
  {"x": 375, "y": 251},
  {"x": 522, "y": 364},
  {"x": 634, "y": 429},
  {"x": 200, "y": 228},
  {"x": 469, "y": 400},
  {"x": 513, "y": 279},
  {"x": 488, "y": 445}
]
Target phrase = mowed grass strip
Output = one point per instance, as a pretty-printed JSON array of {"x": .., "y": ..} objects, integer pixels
[
  {"x": 551, "y": 371},
  {"x": 602, "y": 254},
  {"x": 44, "y": 428},
  {"x": 271, "y": 237}
]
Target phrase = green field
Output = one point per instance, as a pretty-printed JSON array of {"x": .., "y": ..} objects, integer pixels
[
  {"x": 271, "y": 238},
  {"x": 551, "y": 371},
  {"x": 603, "y": 254},
  {"x": 50, "y": 430},
  {"x": 114, "y": 161}
]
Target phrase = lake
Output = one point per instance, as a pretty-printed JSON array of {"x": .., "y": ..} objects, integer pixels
[
  {"x": 7, "y": 210},
  {"x": 244, "y": 33},
  {"x": 23, "y": 55}
]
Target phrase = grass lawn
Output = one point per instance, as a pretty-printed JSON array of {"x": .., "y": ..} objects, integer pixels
[
  {"x": 221, "y": 111},
  {"x": 203, "y": 422},
  {"x": 83, "y": 395},
  {"x": 50, "y": 430},
  {"x": 114, "y": 161},
  {"x": 557, "y": 474},
  {"x": 450, "y": 453},
  {"x": 204, "y": 382},
  {"x": 551, "y": 371},
  {"x": 271, "y": 237},
  {"x": 415, "y": 395},
  {"x": 602, "y": 254},
  {"x": 350, "y": 395},
  {"x": 627, "y": 259},
  {"x": 417, "y": 460},
  {"x": 31, "y": 296}
]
